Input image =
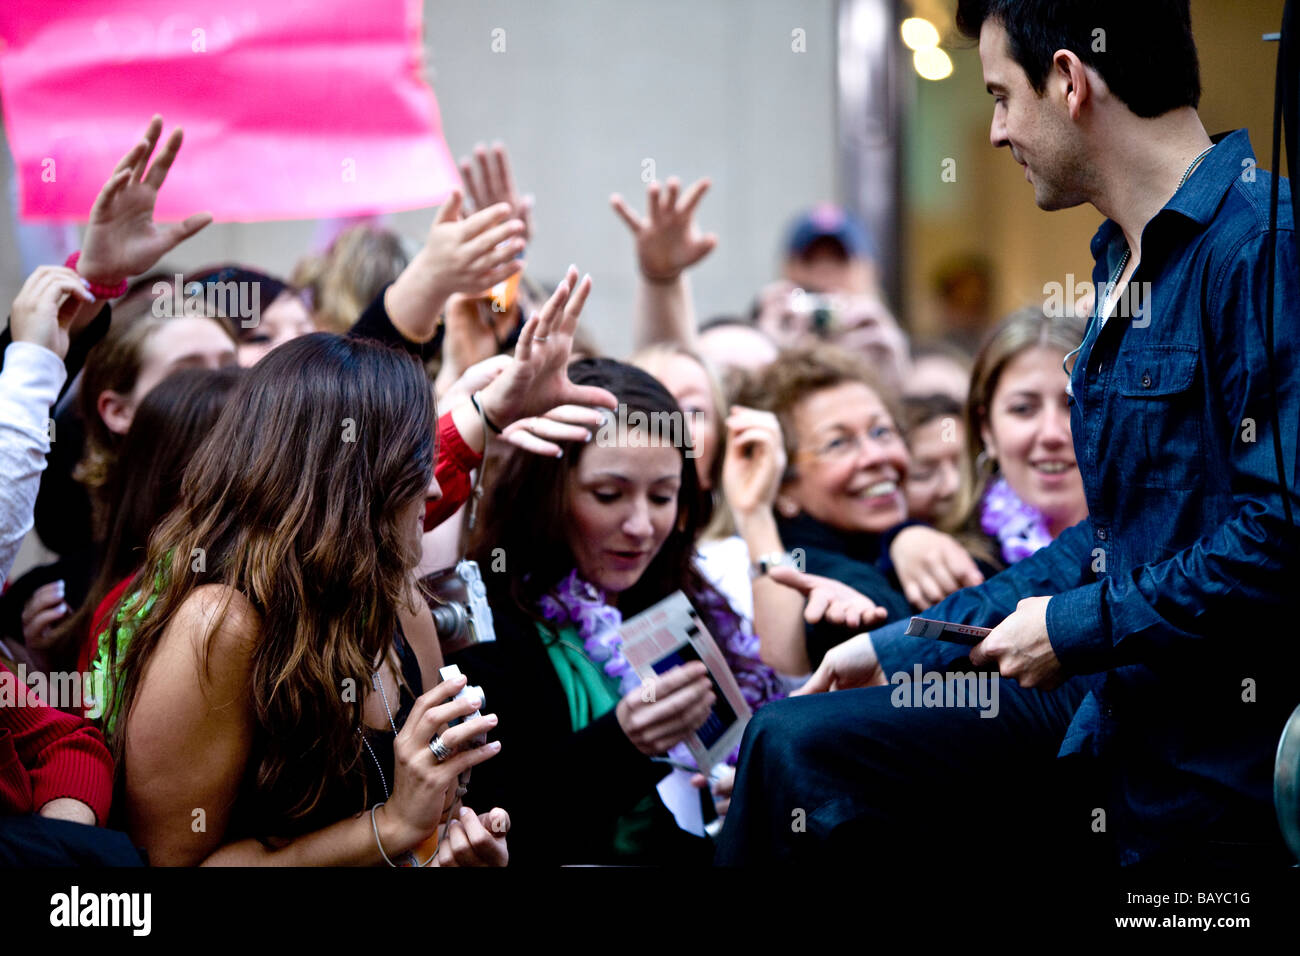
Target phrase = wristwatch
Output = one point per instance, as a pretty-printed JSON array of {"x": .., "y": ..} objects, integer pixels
[{"x": 766, "y": 562}]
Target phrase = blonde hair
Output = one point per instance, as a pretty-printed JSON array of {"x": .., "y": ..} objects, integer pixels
[
  {"x": 648, "y": 358},
  {"x": 346, "y": 279}
]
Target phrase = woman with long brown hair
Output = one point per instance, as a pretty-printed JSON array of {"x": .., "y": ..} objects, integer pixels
[{"x": 267, "y": 660}]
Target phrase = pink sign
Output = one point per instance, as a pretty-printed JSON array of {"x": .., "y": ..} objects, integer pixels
[{"x": 291, "y": 109}]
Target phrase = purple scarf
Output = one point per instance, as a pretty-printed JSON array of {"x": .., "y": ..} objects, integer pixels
[
  {"x": 1020, "y": 528},
  {"x": 582, "y": 605}
]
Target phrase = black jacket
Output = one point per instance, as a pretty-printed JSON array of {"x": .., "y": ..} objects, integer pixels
[
  {"x": 564, "y": 791},
  {"x": 858, "y": 560}
]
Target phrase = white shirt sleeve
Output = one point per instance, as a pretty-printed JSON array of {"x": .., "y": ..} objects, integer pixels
[{"x": 29, "y": 385}]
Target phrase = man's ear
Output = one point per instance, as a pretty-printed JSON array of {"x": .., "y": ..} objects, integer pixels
[
  {"x": 1075, "y": 79},
  {"x": 116, "y": 410}
]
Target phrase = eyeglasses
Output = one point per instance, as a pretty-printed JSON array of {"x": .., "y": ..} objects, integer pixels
[{"x": 844, "y": 447}]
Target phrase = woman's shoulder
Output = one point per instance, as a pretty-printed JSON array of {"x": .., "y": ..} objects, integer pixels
[{"x": 218, "y": 621}]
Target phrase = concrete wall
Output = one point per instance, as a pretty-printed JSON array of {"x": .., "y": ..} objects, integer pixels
[{"x": 583, "y": 94}]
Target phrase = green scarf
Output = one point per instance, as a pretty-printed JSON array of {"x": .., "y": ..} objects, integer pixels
[{"x": 591, "y": 694}]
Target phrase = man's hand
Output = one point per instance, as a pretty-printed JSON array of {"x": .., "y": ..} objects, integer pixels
[
  {"x": 851, "y": 664},
  {"x": 830, "y": 600},
  {"x": 667, "y": 241},
  {"x": 1021, "y": 648},
  {"x": 122, "y": 239},
  {"x": 931, "y": 565},
  {"x": 538, "y": 379},
  {"x": 44, "y": 308},
  {"x": 488, "y": 182}
]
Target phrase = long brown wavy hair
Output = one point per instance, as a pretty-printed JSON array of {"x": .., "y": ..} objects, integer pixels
[{"x": 294, "y": 501}]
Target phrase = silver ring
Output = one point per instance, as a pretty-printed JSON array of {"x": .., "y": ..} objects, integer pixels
[
  {"x": 440, "y": 751},
  {"x": 539, "y": 338}
]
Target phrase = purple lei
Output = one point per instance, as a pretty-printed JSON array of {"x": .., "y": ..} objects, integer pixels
[
  {"x": 1021, "y": 529},
  {"x": 578, "y": 603}
]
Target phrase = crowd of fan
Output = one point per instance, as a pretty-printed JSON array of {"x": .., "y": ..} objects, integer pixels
[{"x": 247, "y": 518}]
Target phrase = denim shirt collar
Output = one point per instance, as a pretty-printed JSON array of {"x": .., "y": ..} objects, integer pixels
[{"x": 1196, "y": 202}]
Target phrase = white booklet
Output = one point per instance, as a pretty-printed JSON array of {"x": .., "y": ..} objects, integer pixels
[{"x": 671, "y": 633}]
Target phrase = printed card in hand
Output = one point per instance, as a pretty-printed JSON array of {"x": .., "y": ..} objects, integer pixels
[{"x": 672, "y": 633}]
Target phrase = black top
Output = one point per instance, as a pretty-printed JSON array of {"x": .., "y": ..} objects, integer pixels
[
  {"x": 564, "y": 791},
  {"x": 856, "y": 559},
  {"x": 359, "y": 790}
]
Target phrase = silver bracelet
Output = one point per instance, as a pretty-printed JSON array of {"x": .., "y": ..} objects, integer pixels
[{"x": 374, "y": 825}]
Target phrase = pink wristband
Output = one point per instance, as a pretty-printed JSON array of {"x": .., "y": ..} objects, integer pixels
[{"x": 100, "y": 290}]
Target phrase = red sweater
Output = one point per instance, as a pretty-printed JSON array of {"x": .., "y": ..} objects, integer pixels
[
  {"x": 46, "y": 754},
  {"x": 455, "y": 461}
]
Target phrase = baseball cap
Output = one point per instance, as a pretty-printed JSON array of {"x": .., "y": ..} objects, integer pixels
[{"x": 829, "y": 221}]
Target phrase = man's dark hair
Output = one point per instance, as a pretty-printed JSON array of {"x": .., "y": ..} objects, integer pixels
[{"x": 1144, "y": 50}]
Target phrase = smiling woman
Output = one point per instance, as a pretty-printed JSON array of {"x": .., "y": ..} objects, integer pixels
[
  {"x": 575, "y": 545},
  {"x": 1025, "y": 486}
]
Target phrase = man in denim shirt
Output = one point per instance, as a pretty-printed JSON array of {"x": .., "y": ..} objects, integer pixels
[{"x": 1157, "y": 638}]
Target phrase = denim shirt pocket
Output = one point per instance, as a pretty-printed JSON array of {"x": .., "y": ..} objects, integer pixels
[{"x": 1160, "y": 410}]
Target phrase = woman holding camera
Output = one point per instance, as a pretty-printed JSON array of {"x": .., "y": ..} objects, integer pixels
[{"x": 269, "y": 696}]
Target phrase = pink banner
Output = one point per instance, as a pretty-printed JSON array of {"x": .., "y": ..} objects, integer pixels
[{"x": 291, "y": 109}]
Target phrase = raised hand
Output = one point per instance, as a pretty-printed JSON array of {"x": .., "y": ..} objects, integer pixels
[
  {"x": 488, "y": 181},
  {"x": 538, "y": 379},
  {"x": 667, "y": 240},
  {"x": 122, "y": 238},
  {"x": 755, "y": 461},
  {"x": 472, "y": 255},
  {"x": 44, "y": 308}
]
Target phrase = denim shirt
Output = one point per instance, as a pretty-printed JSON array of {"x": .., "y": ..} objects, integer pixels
[{"x": 1180, "y": 590}]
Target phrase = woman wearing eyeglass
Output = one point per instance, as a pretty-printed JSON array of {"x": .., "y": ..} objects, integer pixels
[{"x": 816, "y": 481}]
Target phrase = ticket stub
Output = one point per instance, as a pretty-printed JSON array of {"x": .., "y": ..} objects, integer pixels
[{"x": 946, "y": 631}]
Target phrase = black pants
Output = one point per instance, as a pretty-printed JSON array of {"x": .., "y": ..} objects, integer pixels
[
  {"x": 850, "y": 776},
  {"x": 37, "y": 841}
]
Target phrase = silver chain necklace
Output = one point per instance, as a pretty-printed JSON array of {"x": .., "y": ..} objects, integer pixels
[
  {"x": 1123, "y": 262},
  {"x": 379, "y": 686}
]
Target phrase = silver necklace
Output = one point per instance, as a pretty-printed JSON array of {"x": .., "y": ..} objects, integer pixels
[
  {"x": 1123, "y": 262},
  {"x": 379, "y": 686}
]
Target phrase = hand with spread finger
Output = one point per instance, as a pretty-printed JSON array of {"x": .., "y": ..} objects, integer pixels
[
  {"x": 538, "y": 379},
  {"x": 122, "y": 239},
  {"x": 488, "y": 180},
  {"x": 830, "y": 600},
  {"x": 931, "y": 565},
  {"x": 665, "y": 711},
  {"x": 667, "y": 241}
]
